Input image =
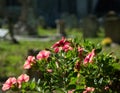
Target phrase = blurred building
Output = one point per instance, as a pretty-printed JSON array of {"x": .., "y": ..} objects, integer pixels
[{"x": 53, "y": 9}]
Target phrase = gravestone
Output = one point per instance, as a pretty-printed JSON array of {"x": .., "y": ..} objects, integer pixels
[
  {"x": 20, "y": 28},
  {"x": 71, "y": 20},
  {"x": 112, "y": 26},
  {"x": 42, "y": 22},
  {"x": 90, "y": 26},
  {"x": 60, "y": 24}
]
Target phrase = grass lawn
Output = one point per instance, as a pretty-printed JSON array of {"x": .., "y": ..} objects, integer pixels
[{"x": 12, "y": 57}]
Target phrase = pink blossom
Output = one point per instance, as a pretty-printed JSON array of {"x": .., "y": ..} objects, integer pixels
[
  {"x": 71, "y": 91},
  {"x": 49, "y": 70},
  {"x": 9, "y": 83},
  {"x": 106, "y": 88},
  {"x": 80, "y": 49},
  {"x": 56, "y": 49},
  {"x": 30, "y": 60},
  {"x": 89, "y": 90},
  {"x": 60, "y": 43},
  {"x": 85, "y": 91},
  {"x": 27, "y": 65},
  {"x": 44, "y": 54},
  {"x": 67, "y": 47},
  {"x": 22, "y": 78},
  {"x": 89, "y": 57},
  {"x": 63, "y": 44}
]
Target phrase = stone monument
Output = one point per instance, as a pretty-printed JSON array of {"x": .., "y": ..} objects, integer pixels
[
  {"x": 90, "y": 26},
  {"x": 112, "y": 26},
  {"x": 60, "y": 24}
]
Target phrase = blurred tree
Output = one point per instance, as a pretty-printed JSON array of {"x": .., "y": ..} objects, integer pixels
[
  {"x": 10, "y": 28},
  {"x": 2, "y": 4},
  {"x": 89, "y": 4},
  {"x": 24, "y": 9},
  {"x": 27, "y": 16}
]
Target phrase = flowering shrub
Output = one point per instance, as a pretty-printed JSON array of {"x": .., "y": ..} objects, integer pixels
[{"x": 69, "y": 66}]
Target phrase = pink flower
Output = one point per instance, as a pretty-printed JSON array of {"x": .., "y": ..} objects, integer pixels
[
  {"x": 44, "y": 54},
  {"x": 22, "y": 78},
  {"x": 66, "y": 47},
  {"x": 49, "y": 70},
  {"x": 56, "y": 49},
  {"x": 71, "y": 91},
  {"x": 89, "y": 90},
  {"x": 30, "y": 60},
  {"x": 27, "y": 65},
  {"x": 9, "y": 83},
  {"x": 60, "y": 43},
  {"x": 89, "y": 57},
  {"x": 85, "y": 91},
  {"x": 63, "y": 44},
  {"x": 106, "y": 88}
]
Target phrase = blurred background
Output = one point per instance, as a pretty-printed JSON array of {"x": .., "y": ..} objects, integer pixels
[
  {"x": 51, "y": 10},
  {"x": 27, "y": 26}
]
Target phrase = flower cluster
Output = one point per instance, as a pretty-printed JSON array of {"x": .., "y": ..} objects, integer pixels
[
  {"x": 28, "y": 63},
  {"x": 68, "y": 66},
  {"x": 12, "y": 82},
  {"x": 63, "y": 44},
  {"x": 43, "y": 55}
]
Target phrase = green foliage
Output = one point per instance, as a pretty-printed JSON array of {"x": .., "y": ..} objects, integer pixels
[
  {"x": 68, "y": 70},
  {"x": 98, "y": 74}
]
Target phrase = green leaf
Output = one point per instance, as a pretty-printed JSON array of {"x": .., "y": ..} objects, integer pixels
[
  {"x": 24, "y": 85},
  {"x": 116, "y": 66},
  {"x": 100, "y": 81},
  {"x": 38, "y": 89},
  {"x": 32, "y": 85},
  {"x": 38, "y": 82}
]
